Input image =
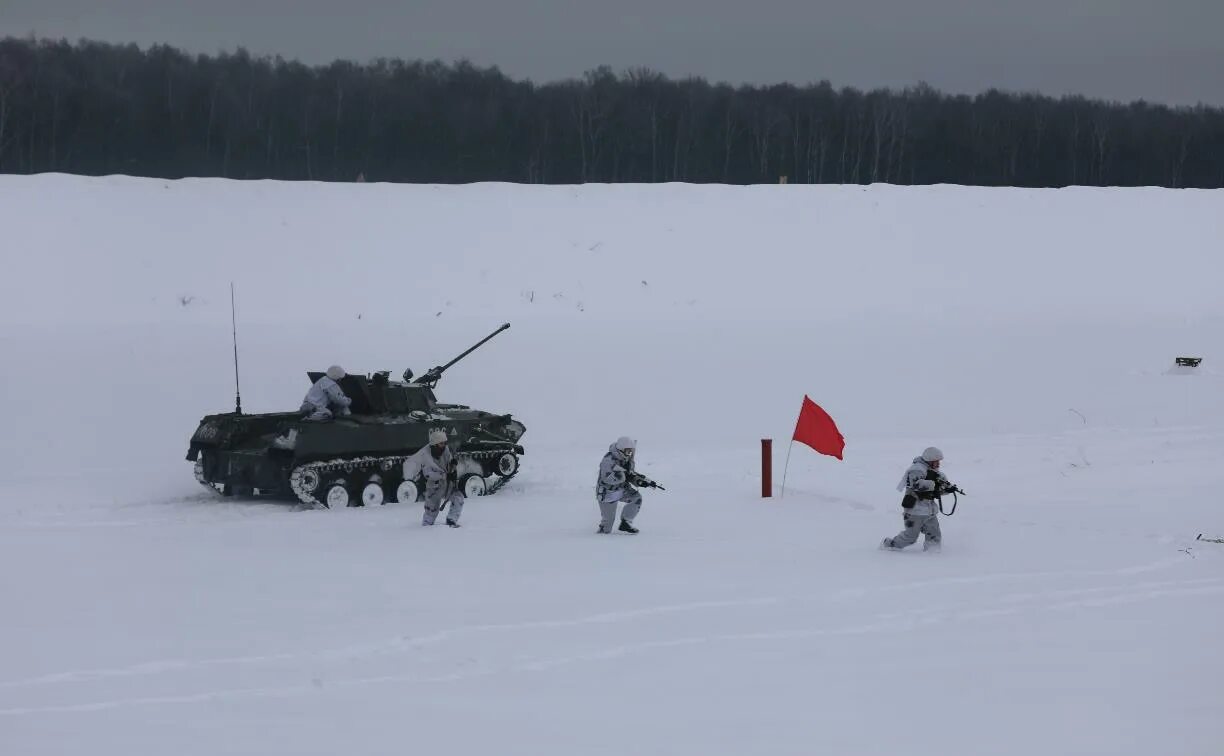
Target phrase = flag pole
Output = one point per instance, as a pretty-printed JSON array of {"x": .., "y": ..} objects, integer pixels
[{"x": 785, "y": 467}]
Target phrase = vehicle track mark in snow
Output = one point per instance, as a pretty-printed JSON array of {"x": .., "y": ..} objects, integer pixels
[
  {"x": 1004, "y": 576},
  {"x": 145, "y": 668},
  {"x": 1012, "y": 598},
  {"x": 594, "y": 619},
  {"x": 890, "y": 622},
  {"x": 881, "y": 623},
  {"x": 396, "y": 645},
  {"x": 174, "y": 665}
]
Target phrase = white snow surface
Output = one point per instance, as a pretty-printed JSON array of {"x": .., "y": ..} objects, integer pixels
[{"x": 1030, "y": 334}]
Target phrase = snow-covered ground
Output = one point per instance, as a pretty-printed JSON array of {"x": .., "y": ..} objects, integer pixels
[{"x": 1030, "y": 334}]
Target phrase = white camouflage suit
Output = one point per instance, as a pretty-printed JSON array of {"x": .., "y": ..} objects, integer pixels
[
  {"x": 326, "y": 398},
  {"x": 920, "y": 482},
  {"x": 439, "y": 491},
  {"x": 613, "y": 487}
]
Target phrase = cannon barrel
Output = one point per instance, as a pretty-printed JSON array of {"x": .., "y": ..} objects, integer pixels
[{"x": 433, "y": 374}]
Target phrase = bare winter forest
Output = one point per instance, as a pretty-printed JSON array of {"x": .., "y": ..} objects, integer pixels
[{"x": 94, "y": 109}]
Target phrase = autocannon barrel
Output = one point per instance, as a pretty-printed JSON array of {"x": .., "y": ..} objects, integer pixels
[{"x": 433, "y": 374}]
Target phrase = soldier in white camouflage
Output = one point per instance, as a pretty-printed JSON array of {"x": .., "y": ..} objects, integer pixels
[
  {"x": 438, "y": 465},
  {"x": 326, "y": 399},
  {"x": 922, "y": 483},
  {"x": 615, "y": 486}
]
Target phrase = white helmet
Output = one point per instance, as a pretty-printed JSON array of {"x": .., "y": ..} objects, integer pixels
[
  {"x": 437, "y": 437},
  {"x": 931, "y": 454},
  {"x": 624, "y": 443},
  {"x": 335, "y": 372}
]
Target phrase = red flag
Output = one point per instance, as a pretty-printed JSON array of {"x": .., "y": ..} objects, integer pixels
[{"x": 816, "y": 429}]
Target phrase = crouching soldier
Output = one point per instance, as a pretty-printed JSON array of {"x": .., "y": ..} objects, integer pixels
[
  {"x": 325, "y": 398},
  {"x": 440, "y": 468},
  {"x": 923, "y": 483},
  {"x": 615, "y": 486}
]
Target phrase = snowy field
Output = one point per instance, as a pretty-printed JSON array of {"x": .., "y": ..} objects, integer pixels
[{"x": 1030, "y": 334}]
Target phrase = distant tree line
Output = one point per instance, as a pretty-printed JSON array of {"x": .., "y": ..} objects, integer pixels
[{"x": 92, "y": 108}]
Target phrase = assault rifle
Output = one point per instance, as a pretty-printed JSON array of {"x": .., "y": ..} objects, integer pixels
[
  {"x": 942, "y": 485},
  {"x": 947, "y": 488},
  {"x": 641, "y": 481}
]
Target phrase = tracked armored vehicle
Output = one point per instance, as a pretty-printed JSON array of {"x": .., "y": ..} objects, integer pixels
[{"x": 356, "y": 459}]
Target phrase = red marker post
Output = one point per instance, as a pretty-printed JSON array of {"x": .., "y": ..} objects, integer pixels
[{"x": 766, "y": 468}]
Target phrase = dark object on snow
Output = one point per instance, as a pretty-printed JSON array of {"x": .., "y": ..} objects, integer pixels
[
  {"x": 1188, "y": 361},
  {"x": 1212, "y": 540},
  {"x": 357, "y": 459}
]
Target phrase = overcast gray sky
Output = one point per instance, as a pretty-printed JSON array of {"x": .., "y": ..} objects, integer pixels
[{"x": 1161, "y": 50}]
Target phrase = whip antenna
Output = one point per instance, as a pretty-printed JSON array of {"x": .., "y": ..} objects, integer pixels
[{"x": 234, "y": 322}]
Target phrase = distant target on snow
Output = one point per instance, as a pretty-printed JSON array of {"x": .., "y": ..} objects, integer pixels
[{"x": 1184, "y": 366}]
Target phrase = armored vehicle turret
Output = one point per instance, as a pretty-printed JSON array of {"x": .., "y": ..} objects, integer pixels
[{"x": 356, "y": 459}]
